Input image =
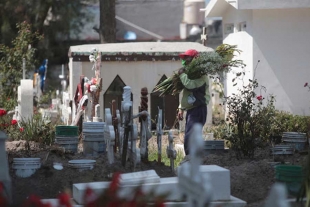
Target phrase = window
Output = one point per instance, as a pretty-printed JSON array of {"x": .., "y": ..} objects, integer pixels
[
  {"x": 242, "y": 27},
  {"x": 229, "y": 28}
]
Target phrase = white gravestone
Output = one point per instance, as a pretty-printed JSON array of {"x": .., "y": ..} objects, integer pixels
[
  {"x": 159, "y": 132},
  {"x": 171, "y": 152},
  {"x": 4, "y": 169},
  {"x": 145, "y": 133},
  {"x": 109, "y": 135},
  {"x": 126, "y": 111},
  {"x": 195, "y": 185},
  {"x": 277, "y": 196},
  {"x": 97, "y": 118},
  {"x": 137, "y": 178},
  {"x": 25, "y": 100},
  {"x": 133, "y": 152}
]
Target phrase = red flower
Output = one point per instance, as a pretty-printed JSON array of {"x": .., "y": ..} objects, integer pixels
[
  {"x": 259, "y": 97},
  {"x": 306, "y": 84},
  {"x": 2, "y": 112},
  {"x": 115, "y": 183},
  {"x": 13, "y": 122},
  {"x": 21, "y": 129},
  {"x": 33, "y": 200},
  {"x": 89, "y": 196},
  {"x": 64, "y": 199}
]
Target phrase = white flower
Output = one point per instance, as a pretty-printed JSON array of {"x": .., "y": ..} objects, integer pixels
[
  {"x": 94, "y": 50},
  {"x": 93, "y": 88},
  {"x": 92, "y": 58}
]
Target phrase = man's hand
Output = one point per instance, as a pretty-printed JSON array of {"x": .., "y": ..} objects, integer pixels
[
  {"x": 181, "y": 70},
  {"x": 180, "y": 114}
]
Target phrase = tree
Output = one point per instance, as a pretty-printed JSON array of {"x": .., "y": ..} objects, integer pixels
[
  {"x": 107, "y": 21},
  {"x": 58, "y": 20},
  {"x": 11, "y": 63}
]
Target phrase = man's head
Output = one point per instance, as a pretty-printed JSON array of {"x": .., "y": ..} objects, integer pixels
[{"x": 188, "y": 56}]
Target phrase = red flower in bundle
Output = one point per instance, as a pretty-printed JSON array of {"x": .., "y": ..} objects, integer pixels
[
  {"x": 33, "y": 201},
  {"x": 13, "y": 122},
  {"x": 90, "y": 197},
  {"x": 3, "y": 201},
  {"x": 64, "y": 200},
  {"x": 21, "y": 129},
  {"x": 2, "y": 112},
  {"x": 259, "y": 97},
  {"x": 306, "y": 84},
  {"x": 115, "y": 183}
]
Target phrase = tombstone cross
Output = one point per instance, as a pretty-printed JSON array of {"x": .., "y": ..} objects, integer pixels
[
  {"x": 159, "y": 133},
  {"x": 109, "y": 135},
  {"x": 204, "y": 36},
  {"x": 171, "y": 152},
  {"x": 193, "y": 184}
]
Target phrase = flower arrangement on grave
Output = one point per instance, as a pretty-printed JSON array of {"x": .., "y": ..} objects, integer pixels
[
  {"x": 109, "y": 198},
  {"x": 207, "y": 63}
]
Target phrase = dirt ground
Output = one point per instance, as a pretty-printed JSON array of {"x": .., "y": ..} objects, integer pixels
[{"x": 250, "y": 179}]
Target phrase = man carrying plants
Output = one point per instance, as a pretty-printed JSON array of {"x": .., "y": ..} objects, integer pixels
[
  {"x": 195, "y": 98},
  {"x": 193, "y": 80}
]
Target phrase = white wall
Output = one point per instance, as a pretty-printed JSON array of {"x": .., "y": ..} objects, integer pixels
[
  {"x": 281, "y": 43},
  {"x": 244, "y": 41}
]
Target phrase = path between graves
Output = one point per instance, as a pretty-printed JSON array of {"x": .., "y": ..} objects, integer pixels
[{"x": 250, "y": 179}]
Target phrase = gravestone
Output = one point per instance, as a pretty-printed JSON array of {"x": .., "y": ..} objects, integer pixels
[
  {"x": 195, "y": 185},
  {"x": 159, "y": 132},
  {"x": 133, "y": 152},
  {"x": 277, "y": 196},
  {"x": 109, "y": 135},
  {"x": 4, "y": 169},
  {"x": 171, "y": 152},
  {"x": 97, "y": 118},
  {"x": 25, "y": 100}
]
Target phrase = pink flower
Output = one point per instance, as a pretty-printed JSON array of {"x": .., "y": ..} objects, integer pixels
[
  {"x": 21, "y": 129},
  {"x": 13, "y": 122},
  {"x": 259, "y": 97},
  {"x": 306, "y": 84}
]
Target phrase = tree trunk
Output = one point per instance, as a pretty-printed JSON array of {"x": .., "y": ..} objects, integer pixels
[{"x": 107, "y": 21}]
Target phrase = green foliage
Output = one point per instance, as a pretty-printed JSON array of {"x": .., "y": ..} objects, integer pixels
[
  {"x": 247, "y": 118},
  {"x": 153, "y": 155},
  {"x": 37, "y": 129},
  {"x": 11, "y": 64}
]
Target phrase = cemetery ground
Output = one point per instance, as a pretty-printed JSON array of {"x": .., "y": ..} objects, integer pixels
[{"x": 250, "y": 179}]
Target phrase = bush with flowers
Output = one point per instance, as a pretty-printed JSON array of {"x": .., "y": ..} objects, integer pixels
[
  {"x": 109, "y": 198},
  {"x": 249, "y": 119},
  {"x": 36, "y": 129}
]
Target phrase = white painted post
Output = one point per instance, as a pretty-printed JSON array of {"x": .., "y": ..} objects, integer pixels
[
  {"x": 171, "y": 152},
  {"x": 4, "y": 169},
  {"x": 109, "y": 135},
  {"x": 159, "y": 133},
  {"x": 195, "y": 185}
]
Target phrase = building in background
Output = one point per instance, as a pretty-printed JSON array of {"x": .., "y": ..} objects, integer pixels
[{"x": 276, "y": 33}]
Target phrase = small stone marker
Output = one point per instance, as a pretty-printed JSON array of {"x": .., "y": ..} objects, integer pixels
[
  {"x": 195, "y": 185},
  {"x": 277, "y": 196},
  {"x": 137, "y": 178},
  {"x": 171, "y": 152},
  {"x": 109, "y": 135},
  {"x": 159, "y": 133},
  {"x": 4, "y": 169}
]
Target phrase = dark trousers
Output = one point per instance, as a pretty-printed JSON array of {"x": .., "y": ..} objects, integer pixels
[{"x": 193, "y": 116}]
